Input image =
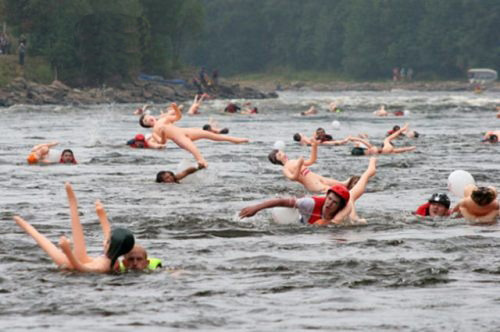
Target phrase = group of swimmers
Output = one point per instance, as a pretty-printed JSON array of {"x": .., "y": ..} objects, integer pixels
[{"x": 334, "y": 205}]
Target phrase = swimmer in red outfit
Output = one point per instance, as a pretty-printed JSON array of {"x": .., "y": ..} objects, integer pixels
[{"x": 336, "y": 207}]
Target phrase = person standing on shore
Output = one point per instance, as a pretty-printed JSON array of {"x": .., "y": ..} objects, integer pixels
[{"x": 22, "y": 51}]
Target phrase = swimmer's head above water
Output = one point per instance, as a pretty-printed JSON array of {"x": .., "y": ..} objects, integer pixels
[
  {"x": 136, "y": 259},
  {"x": 297, "y": 137},
  {"x": 483, "y": 195},
  {"x": 336, "y": 199},
  {"x": 67, "y": 157},
  {"x": 166, "y": 177}
]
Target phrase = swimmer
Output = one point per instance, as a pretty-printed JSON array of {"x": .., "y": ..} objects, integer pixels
[
  {"x": 498, "y": 112},
  {"x": 250, "y": 111},
  {"x": 137, "y": 260},
  {"x": 117, "y": 242},
  {"x": 142, "y": 110},
  {"x": 232, "y": 108},
  {"x": 336, "y": 207},
  {"x": 67, "y": 157},
  {"x": 40, "y": 154},
  {"x": 437, "y": 206},
  {"x": 194, "y": 109},
  {"x": 491, "y": 136},
  {"x": 381, "y": 111},
  {"x": 408, "y": 133},
  {"x": 479, "y": 204},
  {"x": 296, "y": 170},
  {"x": 141, "y": 142},
  {"x": 164, "y": 129},
  {"x": 387, "y": 148},
  {"x": 171, "y": 177},
  {"x": 321, "y": 137},
  {"x": 332, "y": 107},
  {"x": 311, "y": 111},
  {"x": 213, "y": 127}
]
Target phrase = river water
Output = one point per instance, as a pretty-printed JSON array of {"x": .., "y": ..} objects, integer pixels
[{"x": 396, "y": 273}]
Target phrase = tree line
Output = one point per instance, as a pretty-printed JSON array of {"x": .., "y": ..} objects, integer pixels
[
  {"x": 362, "y": 39},
  {"x": 90, "y": 42}
]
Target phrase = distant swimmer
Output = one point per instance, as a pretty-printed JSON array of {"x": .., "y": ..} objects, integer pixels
[
  {"x": 311, "y": 111},
  {"x": 164, "y": 129},
  {"x": 336, "y": 207},
  {"x": 232, "y": 108},
  {"x": 387, "y": 147},
  {"x": 137, "y": 260},
  {"x": 333, "y": 107},
  {"x": 479, "y": 204},
  {"x": 142, "y": 142},
  {"x": 171, "y": 177},
  {"x": 40, "y": 155},
  {"x": 118, "y": 242},
  {"x": 491, "y": 136},
  {"x": 213, "y": 126},
  {"x": 298, "y": 171},
  {"x": 321, "y": 136},
  {"x": 408, "y": 132},
  {"x": 195, "y": 106},
  {"x": 250, "y": 111},
  {"x": 437, "y": 206},
  {"x": 381, "y": 111},
  {"x": 142, "y": 110},
  {"x": 498, "y": 112},
  {"x": 67, "y": 157}
]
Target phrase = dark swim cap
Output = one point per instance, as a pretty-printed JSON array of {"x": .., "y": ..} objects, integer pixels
[
  {"x": 358, "y": 151},
  {"x": 121, "y": 241},
  {"x": 440, "y": 198}
]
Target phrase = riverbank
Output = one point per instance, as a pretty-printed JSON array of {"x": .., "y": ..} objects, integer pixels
[
  {"x": 274, "y": 84},
  {"x": 22, "y": 91}
]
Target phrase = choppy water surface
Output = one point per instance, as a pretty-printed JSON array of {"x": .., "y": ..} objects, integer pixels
[{"x": 396, "y": 273}]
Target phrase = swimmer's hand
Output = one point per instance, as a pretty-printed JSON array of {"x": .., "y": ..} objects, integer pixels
[{"x": 249, "y": 211}]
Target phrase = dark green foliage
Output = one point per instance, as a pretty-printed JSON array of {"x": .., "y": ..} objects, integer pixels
[{"x": 361, "y": 38}]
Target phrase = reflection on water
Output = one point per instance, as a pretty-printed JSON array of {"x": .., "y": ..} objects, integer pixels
[{"x": 396, "y": 273}]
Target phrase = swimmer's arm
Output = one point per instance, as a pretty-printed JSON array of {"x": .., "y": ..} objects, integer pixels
[
  {"x": 314, "y": 153},
  {"x": 396, "y": 133},
  {"x": 190, "y": 170},
  {"x": 251, "y": 210}
]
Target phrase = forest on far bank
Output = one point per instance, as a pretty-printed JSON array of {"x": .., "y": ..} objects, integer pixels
[{"x": 90, "y": 42}]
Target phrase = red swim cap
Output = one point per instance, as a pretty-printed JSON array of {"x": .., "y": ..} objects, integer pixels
[
  {"x": 139, "y": 137},
  {"x": 341, "y": 191}
]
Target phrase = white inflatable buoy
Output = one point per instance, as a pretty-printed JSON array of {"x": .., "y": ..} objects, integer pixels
[
  {"x": 279, "y": 145},
  {"x": 458, "y": 180},
  {"x": 284, "y": 215},
  {"x": 335, "y": 124},
  {"x": 407, "y": 113}
]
